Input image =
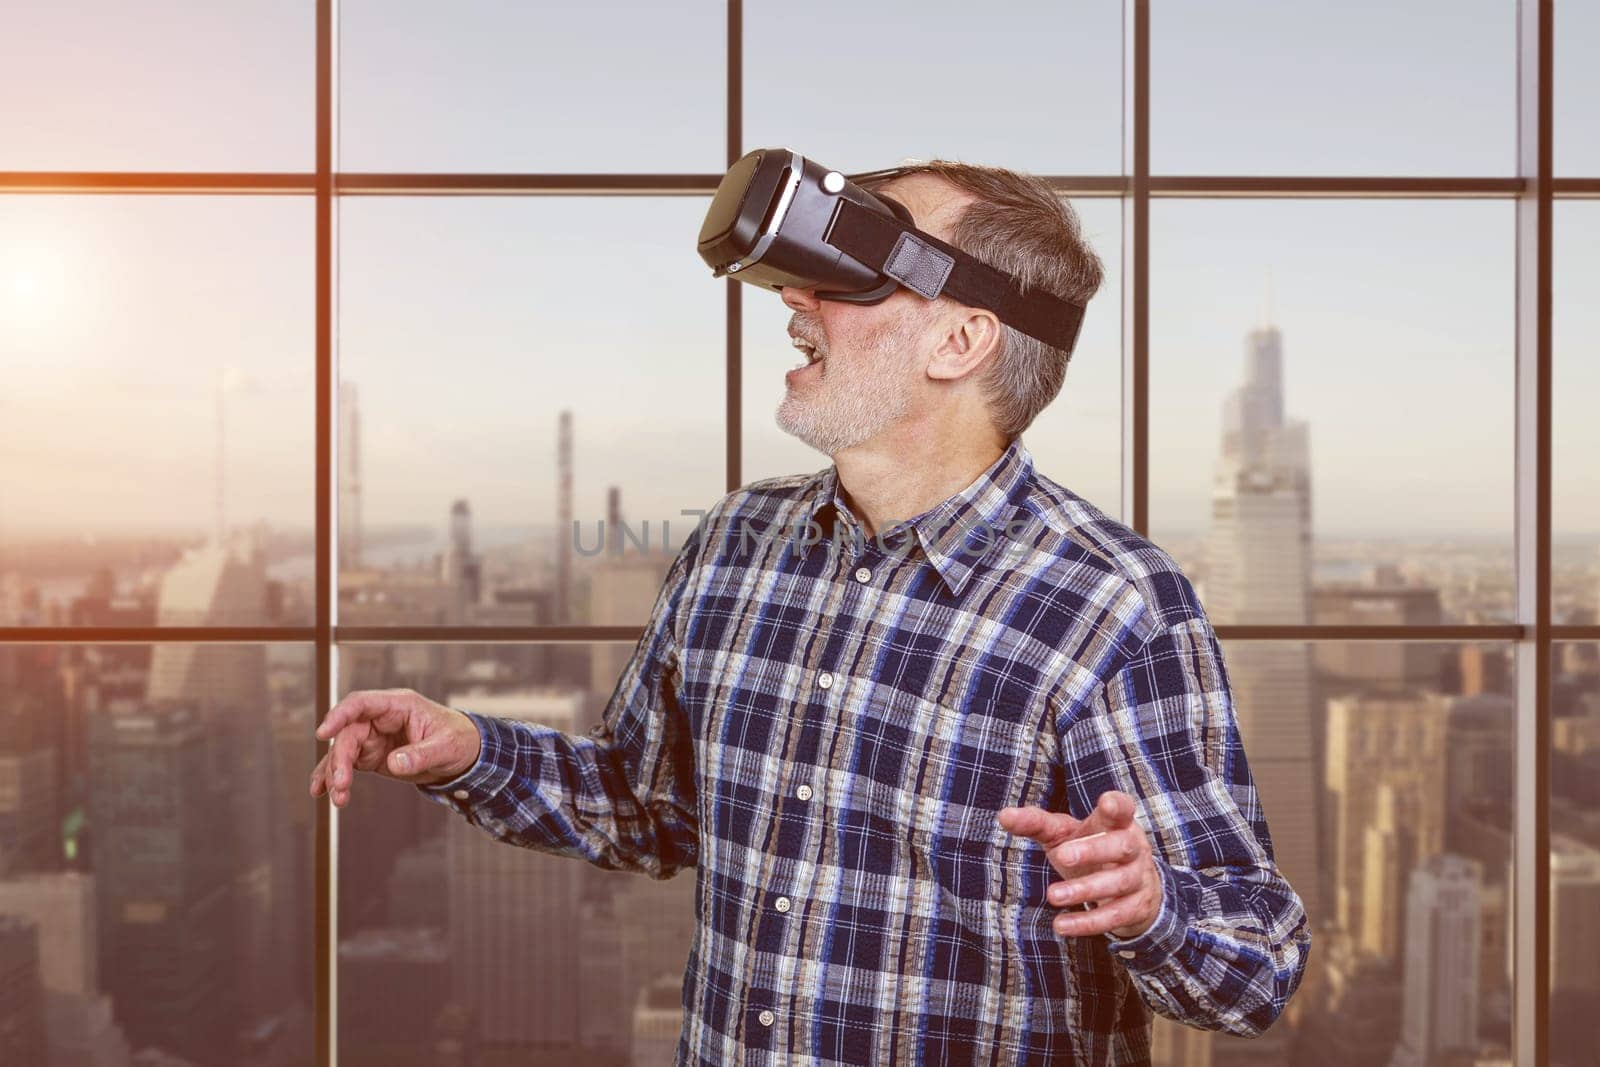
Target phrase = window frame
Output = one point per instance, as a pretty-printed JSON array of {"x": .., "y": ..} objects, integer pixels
[{"x": 1534, "y": 190}]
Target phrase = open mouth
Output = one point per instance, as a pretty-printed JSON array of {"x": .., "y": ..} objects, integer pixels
[{"x": 807, "y": 350}]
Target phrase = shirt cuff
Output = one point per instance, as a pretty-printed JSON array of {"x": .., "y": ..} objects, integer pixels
[
  {"x": 495, "y": 766},
  {"x": 1164, "y": 936}
]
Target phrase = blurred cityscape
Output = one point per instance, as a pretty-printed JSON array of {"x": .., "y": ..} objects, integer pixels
[{"x": 156, "y": 868}]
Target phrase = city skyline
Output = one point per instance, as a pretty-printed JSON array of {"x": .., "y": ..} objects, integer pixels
[
  {"x": 1331, "y": 442},
  {"x": 1381, "y": 756},
  {"x": 117, "y": 313},
  {"x": 398, "y": 331},
  {"x": 1396, "y": 838}
]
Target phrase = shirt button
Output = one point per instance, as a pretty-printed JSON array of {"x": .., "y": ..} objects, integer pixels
[
  {"x": 804, "y": 792},
  {"x": 1127, "y": 953},
  {"x": 782, "y": 904},
  {"x": 863, "y": 575},
  {"x": 460, "y": 794},
  {"x": 766, "y": 1017},
  {"x": 825, "y": 679}
]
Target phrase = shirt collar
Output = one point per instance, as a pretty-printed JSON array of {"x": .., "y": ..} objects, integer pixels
[{"x": 955, "y": 534}]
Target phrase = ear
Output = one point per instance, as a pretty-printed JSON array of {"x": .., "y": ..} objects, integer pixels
[{"x": 969, "y": 338}]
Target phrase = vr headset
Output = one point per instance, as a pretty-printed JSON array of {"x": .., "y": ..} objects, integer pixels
[{"x": 779, "y": 219}]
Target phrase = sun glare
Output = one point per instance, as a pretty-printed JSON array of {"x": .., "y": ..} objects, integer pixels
[{"x": 31, "y": 287}]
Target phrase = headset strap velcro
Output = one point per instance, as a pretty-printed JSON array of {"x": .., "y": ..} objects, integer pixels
[{"x": 930, "y": 267}]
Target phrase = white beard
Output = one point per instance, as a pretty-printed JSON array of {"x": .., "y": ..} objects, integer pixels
[{"x": 857, "y": 397}]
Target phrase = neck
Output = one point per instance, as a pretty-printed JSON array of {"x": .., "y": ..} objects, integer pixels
[{"x": 899, "y": 476}]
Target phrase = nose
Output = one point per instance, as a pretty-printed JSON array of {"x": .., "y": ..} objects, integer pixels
[{"x": 800, "y": 299}]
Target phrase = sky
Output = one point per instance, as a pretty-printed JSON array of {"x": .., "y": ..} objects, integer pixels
[{"x": 467, "y": 323}]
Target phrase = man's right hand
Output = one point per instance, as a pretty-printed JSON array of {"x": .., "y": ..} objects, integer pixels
[{"x": 394, "y": 732}]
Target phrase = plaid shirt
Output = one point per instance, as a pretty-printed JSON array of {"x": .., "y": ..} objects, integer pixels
[{"x": 824, "y": 728}]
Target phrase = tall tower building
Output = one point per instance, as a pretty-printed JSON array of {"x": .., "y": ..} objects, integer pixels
[
  {"x": 350, "y": 524},
  {"x": 462, "y": 568},
  {"x": 1390, "y": 857},
  {"x": 22, "y": 1018},
  {"x": 1574, "y": 918},
  {"x": 1385, "y": 780},
  {"x": 78, "y": 1016},
  {"x": 224, "y": 687},
  {"x": 1440, "y": 1013},
  {"x": 513, "y": 911},
  {"x": 1258, "y": 556},
  {"x": 1574, "y": 948},
  {"x": 182, "y": 823},
  {"x": 461, "y": 572},
  {"x": 213, "y": 585},
  {"x": 623, "y": 585},
  {"x": 30, "y": 832},
  {"x": 657, "y": 1022},
  {"x": 1259, "y": 571},
  {"x": 160, "y": 818},
  {"x": 655, "y": 921},
  {"x": 563, "y": 597}
]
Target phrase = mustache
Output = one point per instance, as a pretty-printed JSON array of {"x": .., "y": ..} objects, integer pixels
[{"x": 808, "y": 326}]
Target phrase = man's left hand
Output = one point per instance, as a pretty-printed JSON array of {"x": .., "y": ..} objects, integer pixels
[{"x": 1105, "y": 861}]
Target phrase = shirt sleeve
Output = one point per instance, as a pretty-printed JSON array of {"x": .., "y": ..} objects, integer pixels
[
  {"x": 1230, "y": 942},
  {"x": 622, "y": 796}
]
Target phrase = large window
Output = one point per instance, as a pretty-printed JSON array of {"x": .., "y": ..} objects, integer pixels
[{"x": 323, "y": 324}]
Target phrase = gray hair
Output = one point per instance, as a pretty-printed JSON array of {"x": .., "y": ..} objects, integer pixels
[{"x": 1018, "y": 224}]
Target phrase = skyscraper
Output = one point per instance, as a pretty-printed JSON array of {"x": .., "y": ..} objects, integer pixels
[
  {"x": 216, "y": 584},
  {"x": 225, "y": 686},
  {"x": 22, "y": 1030},
  {"x": 513, "y": 911},
  {"x": 1441, "y": 962},
  {"x": 159, "y": 817},
  {"x": 1259, "y": 571},
  {"x": 61, "y": 906},
  {"x": 349, "y": 447},
  {"x": 1383, "y": 750},
  {"x": 1574, "y": 945}
]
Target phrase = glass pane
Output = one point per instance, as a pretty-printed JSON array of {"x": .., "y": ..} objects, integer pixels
[
  {"x": 633, "y": 86},
  {"x": 158, "y": 85},
  {"x": 461, "y": 367},
  {"x": 1261, "y": 87},
  {"x": 1385, "y": 773},
  {"x": 1076, "y": 441},
  {"x": 159, "y": 386},
  {"x": 1575, "y": 853},
  {"x": 1577, "y": 88},
  {"x": 1331, "y": 407},
  {"x": 1575, "y": 434},
  {"x": 156, "y": 865},
  {"x": 449, "y": 938},
  {"x": 1031, "y": 85}
]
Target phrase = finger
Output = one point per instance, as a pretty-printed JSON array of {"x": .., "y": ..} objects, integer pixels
[
  {"x": 420, "y": 757},
  {"x": 1045, "y": 827},
  {"x": 1067, "y": 856},
  {"x": 1113, "y": 811},
  {"x": 1100, "y": 920},
  {"x": 321, "y": 784},
  {"x": 341, "y": 715},
  {"x": 1100, "y": 887},
  {"x": 369, "y": 754},
  {"x": 342, "y": 756},
  {"x": 1106, "y": 848},
  {"x": 366, "y": 704}
]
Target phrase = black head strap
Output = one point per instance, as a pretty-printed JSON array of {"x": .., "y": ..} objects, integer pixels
[{"x": 930, "y": 267}]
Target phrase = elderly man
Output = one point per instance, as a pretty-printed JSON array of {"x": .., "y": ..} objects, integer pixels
[{"x": 961, "y": 782}]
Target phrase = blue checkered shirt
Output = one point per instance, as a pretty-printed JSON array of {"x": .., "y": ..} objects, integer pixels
[{"x": 823, "y": 726}]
